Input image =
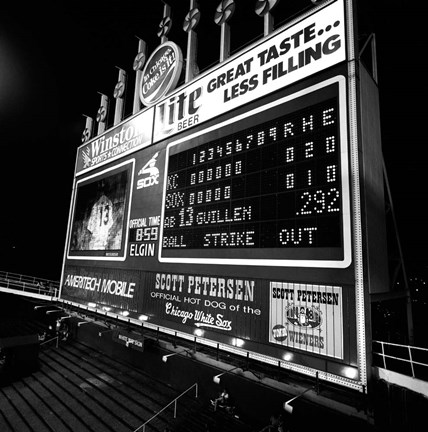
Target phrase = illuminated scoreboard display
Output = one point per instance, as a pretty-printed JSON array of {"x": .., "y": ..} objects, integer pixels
[
  {"x": 239, "y": 210},
  {"x": 269, "y": 187}
]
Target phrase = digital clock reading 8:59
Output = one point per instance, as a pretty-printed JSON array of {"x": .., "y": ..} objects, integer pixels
[{"x": 267, "y": 189}]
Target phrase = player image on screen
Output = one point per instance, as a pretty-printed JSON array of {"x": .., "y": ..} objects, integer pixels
[
  {"x": 99, "y": 214},
  {"x": 100, "y": 222}
]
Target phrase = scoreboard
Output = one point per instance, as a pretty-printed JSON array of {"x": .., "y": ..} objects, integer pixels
[
  {"x": 230, "y": 212},
  {"x": 270, "y": 188}
]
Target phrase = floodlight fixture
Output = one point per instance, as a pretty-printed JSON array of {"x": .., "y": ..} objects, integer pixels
[
  {"x": 82, "y": 322},
  {"x": 288, "y": 408},
  {"x": 198, "y": 332},
  {"x": 53, "y": 311},
  {"x": 216, "y": 378},
  {"x": 287, "y": 356},
  {"x": 350, "y": 372},
  {"x": 165, "y": 357},
  {"x": 100, "y": 333},
  {"x": 238, "y": 342}
]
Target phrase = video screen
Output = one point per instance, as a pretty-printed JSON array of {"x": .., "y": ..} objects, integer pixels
[{"x": 101, "y": 203}]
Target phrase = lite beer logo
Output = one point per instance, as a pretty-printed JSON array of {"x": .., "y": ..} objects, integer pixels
[
  {"x": 179, "y": 112},
  {"x": 152, "y": 172},
  {"x": 161, "y": 73}
]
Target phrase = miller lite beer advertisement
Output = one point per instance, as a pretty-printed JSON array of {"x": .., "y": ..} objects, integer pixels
[
  {"x": 101, "y": 205},
  {"x": 303, "y": 49},
  {"x": 307, "y": 317}
]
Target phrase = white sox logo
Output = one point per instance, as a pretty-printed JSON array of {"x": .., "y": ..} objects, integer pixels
[{"x": 153, "y": 173}]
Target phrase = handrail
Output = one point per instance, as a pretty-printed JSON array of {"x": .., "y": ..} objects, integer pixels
[
  {"x": 30, "y": 284},
  {"x": 50, "y": 340},
  {"x": 398, "y": 362},
  {"x": 165, "y": 407}
]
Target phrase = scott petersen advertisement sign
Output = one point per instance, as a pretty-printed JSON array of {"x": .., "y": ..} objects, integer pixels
[{"x": 300, "y": 50}]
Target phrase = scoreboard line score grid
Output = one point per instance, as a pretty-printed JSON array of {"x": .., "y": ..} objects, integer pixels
[{"x": 269, "y": 187}]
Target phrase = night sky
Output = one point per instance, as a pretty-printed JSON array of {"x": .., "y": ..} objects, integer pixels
[{"x": 54, "y": 60}]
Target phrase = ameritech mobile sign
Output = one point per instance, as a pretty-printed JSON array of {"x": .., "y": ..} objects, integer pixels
[{"x": 305, "y": 48}]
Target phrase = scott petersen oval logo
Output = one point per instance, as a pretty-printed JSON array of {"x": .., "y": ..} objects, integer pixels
[
  {"x": 161, "y": 73},
  {"x": 303, "y": 316}
]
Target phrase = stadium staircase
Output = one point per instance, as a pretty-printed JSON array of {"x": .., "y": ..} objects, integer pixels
[{"x": 77, "y": 388}]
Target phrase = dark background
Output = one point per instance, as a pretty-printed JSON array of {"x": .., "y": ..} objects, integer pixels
[{"x": 55, "y": 58}]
